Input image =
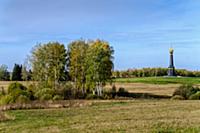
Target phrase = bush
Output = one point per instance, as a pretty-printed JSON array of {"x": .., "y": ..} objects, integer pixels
[
  {"x": 46, "y": 97},
  {"x": 65, "y": 90},
  {"x": 16, "y": 93},
  {"x": 122, "y": 92},
  {"x": 22, "y": 99},
  {"x": 91, "y": 96},
  {"x": 177, "y": 97},
  {"x": 113, "y": 91},
  {"x": 195, "y": 96},
  {"x": 7, "y": 99},
  {"x": 45, "y": 94},
  {"x": 58, "y": 97},
  {"x": 16, "y": 85},
  {"x": 186, "y": 91}
]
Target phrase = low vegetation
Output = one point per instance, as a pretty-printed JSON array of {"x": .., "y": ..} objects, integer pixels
[
  {"x": 160, "y": 80},
  {"x": 109, "y": 116},
  {"x": 187, "y": 92},
  {"x": 4, "y": 117}
]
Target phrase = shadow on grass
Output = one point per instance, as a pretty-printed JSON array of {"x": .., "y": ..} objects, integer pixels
[{"x": 143, "y": 95}]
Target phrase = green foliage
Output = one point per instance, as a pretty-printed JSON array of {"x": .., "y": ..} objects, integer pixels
[
  {"x": 177, "y": 97},
  {"x": 22, "y": 99},
  {"x": 58, "y": 97},
  {"x": 16, "y": 86},
  {"x": 91, "y": 96},
  {"x": 2, "y": 92},
  {"x": 65, "y": 90},
  {"x": 17, "y": 73},
  {"x": 17, "y": 93},
  {"x": 7, "y": 99},
  {"x": 45, "y": 94},
  {"x": 26, "y": 74},
  {"x": 45, "y": 97},
  {"x": 113, "y": 91},
  {"x": 90, "y": 64},
  {"x": 186, "y": 91},
  {"x": 77, "y": 63},
  {"x": 195, "y": 96},
  {"x": 99, "y": 65},
  {"x": 4, "y": 74},
  {"x": 48, "y": 63},
  {"x": 151, "y": 72}
]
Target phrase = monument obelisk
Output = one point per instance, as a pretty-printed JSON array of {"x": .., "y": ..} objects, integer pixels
[{"x": 171, "y": 68}]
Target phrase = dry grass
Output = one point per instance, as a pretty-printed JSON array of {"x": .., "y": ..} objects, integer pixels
[
  {"x": 45, "y": 105},
  {"x": 4, "y": 117},
  {"x": 133, "y": 116},
  {"x": 157, "y": 89}
]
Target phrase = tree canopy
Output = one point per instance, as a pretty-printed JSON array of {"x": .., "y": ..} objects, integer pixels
[{"x": 48, "y": 63}]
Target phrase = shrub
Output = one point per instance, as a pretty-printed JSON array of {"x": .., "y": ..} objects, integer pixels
[
  {"x": 45, "y": 94},
  {"x": 186, "y": 91},
  {"x": 32, "y": 88},
  {"x": 122, "y": 92},
  {"x": 177, "y": 97},
  {"x": 16, "y": 93},
  {"x": 7, "y": 99},
  {"x": 67, "y": 93},
  {"x": 91, "y": 96},
  {"x": 22, "y": 99},
  {"x": 2, "y": 92},
  {"x": 58, "y": 97},
  {"x": 65, "y": 90},
  {"x": 46, "y": 97},
  {"x": 195, "y": 96},
  {"x": 108, "y": 94},
  {"x": 113, "y": 91},
  {"x": 14, "y": 86}
]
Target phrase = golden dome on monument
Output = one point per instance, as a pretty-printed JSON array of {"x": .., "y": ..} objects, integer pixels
[{"x": 171, "y": 50}]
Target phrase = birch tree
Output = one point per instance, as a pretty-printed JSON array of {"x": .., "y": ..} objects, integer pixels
[{"x": 48, "y": 63}]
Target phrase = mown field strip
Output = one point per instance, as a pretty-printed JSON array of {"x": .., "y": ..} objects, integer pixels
[{"x": 109, "y": 116}]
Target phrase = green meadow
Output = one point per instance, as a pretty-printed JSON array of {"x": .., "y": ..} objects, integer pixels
[
  {"x": 132, "y": 116},
  {"x": 160, "y": 80}
]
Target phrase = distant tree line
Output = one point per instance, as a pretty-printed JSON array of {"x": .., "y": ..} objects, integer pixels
[
  {"x": 19, "y": 73},
  {"x": 152, "y": 72}
]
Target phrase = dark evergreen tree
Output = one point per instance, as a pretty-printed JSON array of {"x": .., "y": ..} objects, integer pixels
[{"x": 17, "y": 73}]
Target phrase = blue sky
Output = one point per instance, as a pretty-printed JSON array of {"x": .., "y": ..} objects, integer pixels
[{"x": 141, "y": 31}]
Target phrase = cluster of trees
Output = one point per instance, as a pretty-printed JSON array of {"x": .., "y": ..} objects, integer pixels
[
  {"x": 151, "y": 72},
  {"x": 79, "y": 71},
  {"x": 88, "y": 65},
  {"x": 19, "y": 73}
]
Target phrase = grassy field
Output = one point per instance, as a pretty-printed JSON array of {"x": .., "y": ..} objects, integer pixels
[
  {"x": 160, "y": 80},
  {"x": 114, "y": 116},
  {"x": 157, "y": 89},
  {"x": 109, "y": 116}
]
